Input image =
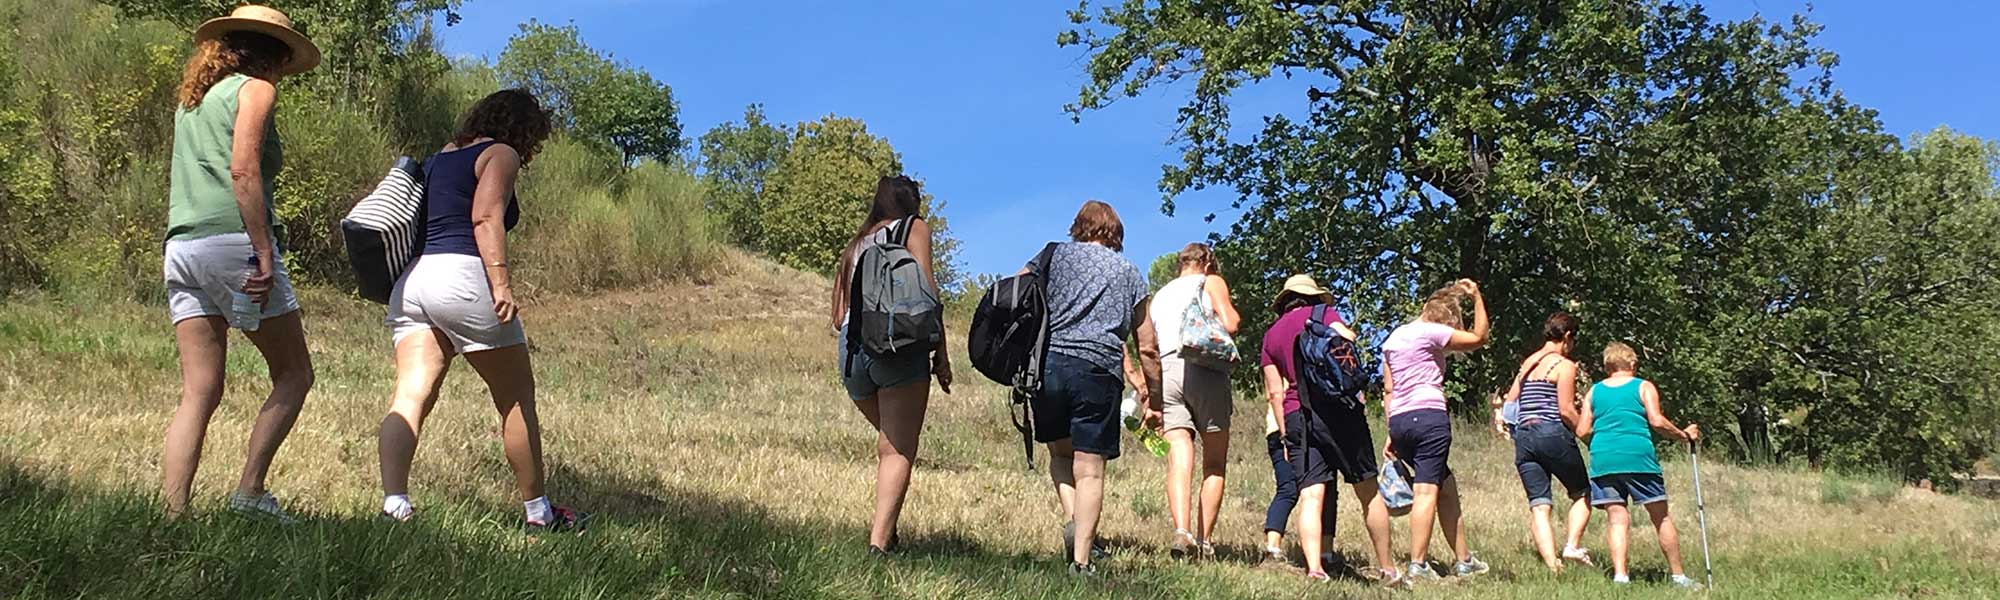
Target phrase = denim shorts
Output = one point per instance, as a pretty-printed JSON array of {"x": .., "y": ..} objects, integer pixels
[
  {"x": 1544, "y": 450},
  {"x": 1621, "y": 488},
  {"x": 1423, "y": 438},
  {"x": 864, "y": 375},
  {"x": 1079, "y": 402}
]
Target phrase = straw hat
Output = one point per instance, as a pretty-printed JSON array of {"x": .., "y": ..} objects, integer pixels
[
  {"x": 267, "y": 21},
  {"x": 1302, "y": 285}
]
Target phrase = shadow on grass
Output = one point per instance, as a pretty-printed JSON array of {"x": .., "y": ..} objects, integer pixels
[{"x": 61, "y": 540}]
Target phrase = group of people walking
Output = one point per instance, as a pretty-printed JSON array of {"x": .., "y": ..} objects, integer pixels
[
  {"x": 1102, "y": 323},
  {"x": 1105, "y": 331},
  {"x": 222, "y": 271}
]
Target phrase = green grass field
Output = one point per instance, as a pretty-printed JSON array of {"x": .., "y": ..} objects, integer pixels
[{"x": 705, "y": 428}]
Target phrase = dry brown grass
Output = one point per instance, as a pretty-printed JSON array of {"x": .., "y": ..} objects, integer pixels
[{"x": 712, "y": 414}]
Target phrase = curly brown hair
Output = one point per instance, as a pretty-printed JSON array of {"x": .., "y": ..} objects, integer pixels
[
  {"x": 511, "y": 117},
  {"x": 246, "y": 52}
]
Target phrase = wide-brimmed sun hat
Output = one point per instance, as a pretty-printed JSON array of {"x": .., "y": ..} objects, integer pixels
[
  {"x": 1301, "y": 285},
  {"x": 267, "y": 21}
]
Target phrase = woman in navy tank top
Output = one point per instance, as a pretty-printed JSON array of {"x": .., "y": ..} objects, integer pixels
[
  {"x": 1545, "y": 442},
  {"x": 457, "y": 299}
]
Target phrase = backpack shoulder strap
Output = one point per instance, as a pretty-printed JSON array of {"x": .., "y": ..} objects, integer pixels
[
  {"x": 901, "y": 236},
  {"x": 1319, "y": 314},
  {"x": 1046, "y": 260}
]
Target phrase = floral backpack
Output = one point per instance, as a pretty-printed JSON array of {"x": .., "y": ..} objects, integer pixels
[{"x": 1203, "y": 340}]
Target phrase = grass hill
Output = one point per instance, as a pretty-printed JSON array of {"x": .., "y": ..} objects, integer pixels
[{"x": 704, "y": 426}]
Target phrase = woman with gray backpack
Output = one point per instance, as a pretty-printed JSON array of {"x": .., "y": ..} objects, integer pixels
[{"x": 890, "y": 322}]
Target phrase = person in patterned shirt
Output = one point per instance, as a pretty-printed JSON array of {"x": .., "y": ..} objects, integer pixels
[{"x": 1095, "y": 299}]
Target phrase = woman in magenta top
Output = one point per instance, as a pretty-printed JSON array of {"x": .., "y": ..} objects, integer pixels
[{"x": 1419, "y": 426}]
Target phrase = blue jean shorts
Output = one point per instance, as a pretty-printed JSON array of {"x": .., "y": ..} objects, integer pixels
[
  {"x": 1079, "y": 403},
  {"x": 1546, "y": 450},
  {"x": 864, "y": 375},
  {"x": 1621, "y": 488}
]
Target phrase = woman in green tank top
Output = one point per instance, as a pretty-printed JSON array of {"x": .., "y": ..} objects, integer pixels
[
  {"x": 1619, "y": 417},
  {"x": 221, "y": 267}
]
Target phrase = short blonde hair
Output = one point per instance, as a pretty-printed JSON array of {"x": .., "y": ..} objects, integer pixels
[
  {"x": 1620, "y": 357},
  {"x": 1098, "y": 222}
]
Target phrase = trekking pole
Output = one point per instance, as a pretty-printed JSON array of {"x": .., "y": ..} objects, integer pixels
[{"x": 1701, "y": 512}]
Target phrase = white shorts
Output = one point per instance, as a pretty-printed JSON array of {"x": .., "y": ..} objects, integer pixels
[
  {"x": 202, "y": 273},
  {"x": 449, "y": 293}
]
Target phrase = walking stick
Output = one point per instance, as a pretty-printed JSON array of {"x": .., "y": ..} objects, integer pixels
[{"x": 1701, "y": 512}]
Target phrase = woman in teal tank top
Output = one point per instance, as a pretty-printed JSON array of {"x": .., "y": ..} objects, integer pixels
[
  {"x": 1619, "y": 417},
  {"x": 221, "y": 268}
]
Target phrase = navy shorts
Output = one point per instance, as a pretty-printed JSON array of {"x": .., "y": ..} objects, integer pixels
[
  {"x": 1079, "y": 403},
  {"x": 864, "y": 375},
  {"x": 1423, "y": 439},
  {"x": 1545, "y": 450},
  {"x": 1621, "y": 488},
  {"x": 1333, "y": 442}
]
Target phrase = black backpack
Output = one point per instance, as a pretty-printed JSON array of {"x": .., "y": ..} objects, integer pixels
[
  {"x": 1328, "y": 366},
  {"x": 1009, "y": 338}
]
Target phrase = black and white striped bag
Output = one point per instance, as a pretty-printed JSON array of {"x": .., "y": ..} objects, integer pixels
[{"x": 385, "y": 230}]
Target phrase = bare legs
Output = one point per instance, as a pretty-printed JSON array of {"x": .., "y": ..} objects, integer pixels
[
  {"x": 1312, "y": 505},
  {"x": 1180, "y": 474},
  {"x": 1617, "y": 536},
  {"x": 1214, "y": 469},
  {"x": 1544, "y": 533},
  {"x": 1437, "y": 504},
  {"x": 511, "y": 379},
  {"x": 1375, "y": 516},
  {"x": 898, "y": 417},
  {"x": 1079, "y": 483},
  {"x": 421, "y": 362},
  {"x": 1620, "y": 524},
  {"x": 203, "y": 344}
]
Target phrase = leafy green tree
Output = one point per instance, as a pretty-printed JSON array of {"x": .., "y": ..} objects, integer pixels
[
  {"x": 1164, "y": 269},
  {"x": 736, "y": 159},
  {"x": 358, "y": 38},
  {"x": 592, "y": 96},
  {"x": 818, "y": 193},
  {"x": 1637, "y": 163},
  {"x": 1877, "y": 335}
]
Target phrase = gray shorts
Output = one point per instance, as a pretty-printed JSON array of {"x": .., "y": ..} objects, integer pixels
[
  {"x": 449, "y": 293},
  {"x": 202, "y": 273},
  {"x": 1194, "y": 397}
]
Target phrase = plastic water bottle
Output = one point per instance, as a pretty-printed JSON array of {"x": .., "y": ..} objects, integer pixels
[
  {"x": 1147, "y": 437},
  {"x": 244, "y": 312}
]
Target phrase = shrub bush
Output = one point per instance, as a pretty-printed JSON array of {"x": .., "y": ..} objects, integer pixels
[{"x": 588, "y": 224}]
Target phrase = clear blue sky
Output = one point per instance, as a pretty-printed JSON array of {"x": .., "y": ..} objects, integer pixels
[{"x": 972, "y": 92}]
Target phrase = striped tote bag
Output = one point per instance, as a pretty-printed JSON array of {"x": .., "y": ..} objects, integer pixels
[{"x": 385, "y": 231}]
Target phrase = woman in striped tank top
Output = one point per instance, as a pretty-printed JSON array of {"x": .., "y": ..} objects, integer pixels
[{"x": 1545, "y": 442}]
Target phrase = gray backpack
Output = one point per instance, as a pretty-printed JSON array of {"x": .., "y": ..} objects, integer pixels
[{"x": 891, "y": 308}]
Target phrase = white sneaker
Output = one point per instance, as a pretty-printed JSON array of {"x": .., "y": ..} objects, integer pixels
[
  {"x": 1577, "y": 554},
  {"x": 263, "y": 506}
]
